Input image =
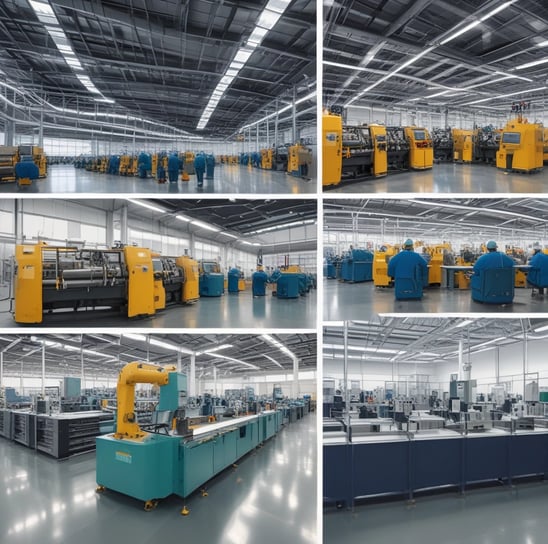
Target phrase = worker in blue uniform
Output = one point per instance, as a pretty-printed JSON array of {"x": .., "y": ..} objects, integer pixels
[
  {"x": 492, "y": 259},
  {"x": 199, "y": 167},
  {"x": 144, "y": 165},
  {"x": 210, "y": 166},
  {"x": 173, "y": 167},
  {"x": 409, "y": 271},
  {"x": 538, "y": 273}
]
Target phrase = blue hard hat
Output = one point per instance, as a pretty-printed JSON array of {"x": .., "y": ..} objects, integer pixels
[
  {"x": 491, "y": 244},
  {"x": 408, "y": 243}
]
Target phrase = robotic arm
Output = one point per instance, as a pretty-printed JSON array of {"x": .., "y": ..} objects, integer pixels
[{"x": 131, "y": 374}]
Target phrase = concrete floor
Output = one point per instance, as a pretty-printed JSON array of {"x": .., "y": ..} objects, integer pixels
[
  {"x": 355, "y": 301},
  {"x": 452, "y": 178},
  {"x": 270, "y": 498},
  {"x": 64, "y": 178},
  {"x": 482, "y": 516},
  {"x": 228, "y": 311}
]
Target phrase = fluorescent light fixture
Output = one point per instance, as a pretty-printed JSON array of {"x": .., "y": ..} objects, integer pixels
[
  {"x": 157, "y": 343},
  {"x": 458, "y": 33},
  {"x": 268, "y": 18},
  {"x": 531, "y": 64},
  {"x": 202, "y": 225},
  {"x": 464, "y": 323},
  {"x": 497, "y": 9},
  {"x": 214, "y": 350},
  {"x": 105, "y": 100},
  {"x": 138, "y": 337},
  {"x": 540, "y": 329},
  {"x": 543, "y": 44},
  {"x": 217, "y": 356},
  {"x": 495, "y": 340},
  {"x": 368, "y": 349},
  {"x": 257, "y": 35},
  {"x": 229, "y": 235},
  {"x": 279, "y": 345},
  {"x": 504, "y": 95},
  {"x": 41, "y": 7},
  {"x": 273, "y": 360},
  {"x": 182, "y": 218},
  {"x": 146, "y": 205},
  {"x": 246, "y": 242},
  {"x": 515, "y": 76}
]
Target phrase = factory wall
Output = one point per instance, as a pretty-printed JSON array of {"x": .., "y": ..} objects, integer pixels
[{"x": 304, "y": 387}]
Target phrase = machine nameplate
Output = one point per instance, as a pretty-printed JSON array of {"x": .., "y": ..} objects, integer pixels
[{"x": 124, "y": 457}]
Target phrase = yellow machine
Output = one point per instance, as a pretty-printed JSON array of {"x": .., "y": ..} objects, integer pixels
[
  {"x": 545, "y": 149},
  {"x": 421, "y": 149},
  {"x": 103, "y": 166},
  {"x": 462, "y": 280},
  {"x": 9, "y": 157},
  {"x": 521, "y": 146},
  {"x": 299, "y": 160},
  {"x": 127, "y": 426},
  {"x": 463, "y": 145},
  {"x": 436, "y": 261},
  {"x": 125, "y": 165},
  {"x": 189, "y": 162},
  {"x": 380, "y": 265},
  {"x": 154, "y": 167},
  {"x": 380, "y": 155},
  {"x": 332, "y": 149},
  {"x": 40, "y": 160},
  {"x": 133, "y": 166},
  {"x": 191, "y": 271},
  {"x": 49, "y": 278},
  {"x": 266, "y": 159}
]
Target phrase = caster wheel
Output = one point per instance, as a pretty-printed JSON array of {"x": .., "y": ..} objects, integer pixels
[
  {"x": 185, "y": 511},
  {"x": 100, "y": 489},
  {"x": 204, "y": 493}
]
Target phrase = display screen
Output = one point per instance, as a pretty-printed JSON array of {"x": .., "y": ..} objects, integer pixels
[
  {"x": 511, "y": 137},
  {"x": 420, "y": 134}
]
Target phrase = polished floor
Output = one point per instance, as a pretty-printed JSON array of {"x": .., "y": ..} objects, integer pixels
[
  {"x": 482, "y": 516},
  {"x": 355, "y": 301},
  {"x": 270, "y": 498},
  {"x": 452, "y": 178},
  {"x": 228, "y": 179},
  {"x": 228, "y": 311}
]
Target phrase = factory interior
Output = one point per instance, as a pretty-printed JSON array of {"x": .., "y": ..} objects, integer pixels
[
  {"x": 97, "y": 428},
  {"x": 142, "y": 97},
  {"x": 158, "y": 263},
  {"x": 434, "y": 96},
  {"x": 436, "y": 429},
  {"x": 362, "y": 236}
]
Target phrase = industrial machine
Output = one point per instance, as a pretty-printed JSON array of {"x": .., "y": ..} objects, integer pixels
[
  {"x": 266, "y": 159},
  {"x": 40, "y": 160},
  {"x": 463, "y": 145},
  {"x": 176, "y": 280},
  {"x": 299, "y": 161},
  {"x": 170, "y": 456},
  {"x": 421, "y": 151},
  {"x": 397, "y": 149},
  {"x": 442, "y": 140},
  {"x": 9, "y": 157},
  {"x": 486, "y": 144},
  {"x": 189, "y": 162},
  {"x": 521, "y": 146},
  {"x": 380, "y": 265},
  {"x": 357, "y": 266},
  {"x": 49, "y": 278},
  {"x": 545, "y": 148},
  {"x": 435, "y": 262},
  {"x": 234, "y": 276},
  {"x": 211, "y": 279}
]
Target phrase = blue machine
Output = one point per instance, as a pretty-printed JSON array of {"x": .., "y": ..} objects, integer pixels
[
  {"x": 537, "y": 276},
  {"x": 114, "y": 165},
  {"x": 144, "y": 165},
  {"x": 329, "y": 270},
  {"x": 26, "y": 171},
  {"x": 212, "y": 281},
  {"x": 357, "y": 266},
  {"x": 233, "y": 279},
  {"x": 173, "y": 167},
  {"x": 289, "y": 285},
  {"x": 15, "y": 400},
  {"x": 210, "y": 166},
  {"x": 259, "y": 279},
  {"x": 153, "y": 465}
]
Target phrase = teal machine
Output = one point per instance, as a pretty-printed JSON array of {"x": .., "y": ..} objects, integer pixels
[
  {"x": 171, "y": 457},
  {"x": 212, "y": 281}
]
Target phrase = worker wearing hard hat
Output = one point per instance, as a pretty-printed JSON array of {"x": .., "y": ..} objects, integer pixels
[
  {"x": 492, "y": 259},
  {"x": 409, "y": 271},
  {"x": 538, "y": 273}
]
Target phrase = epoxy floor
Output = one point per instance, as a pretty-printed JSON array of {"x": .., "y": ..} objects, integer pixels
[
  {"x": 269, "y": 499},
  {"x": 228, "y": 311},
  {"x": 64, "y": 178},
  {"x": 482, "y": 516},
  {"x": 355, "y": 301},
  {"x": 451, "y": 178}
]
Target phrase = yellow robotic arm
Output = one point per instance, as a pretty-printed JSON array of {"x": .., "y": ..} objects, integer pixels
[{"x": 131, "y": 374}]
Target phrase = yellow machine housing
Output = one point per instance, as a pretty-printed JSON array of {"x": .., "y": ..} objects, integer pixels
[
  {"x": 421, "y": 149},
  {"x": 380, "y": 266},
  {"x": 332, "y": 149},
  {"x": 436, "y": 261},
  {"x": 266, "y": 159},
  {"x": 125, "y": 164},
  {"x": 154, "y": 167},
  {"x": 545, "y": 149},
  {"x": 127, "y": 426},
  {"x": 521, "y": 146},
  {"x": 462, "y": 280},
  {"x": 380, "y": 153},
  {"x": 299, "y": 159},
  {"x": 463, "y": 145},
  {"x": 191, "y": 285},
  {"x": 40, "y": 160}
]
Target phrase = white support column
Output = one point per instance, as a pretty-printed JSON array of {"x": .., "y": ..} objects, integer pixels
[
  {"x": 43, "y": 370},
  {"x": 295, "y": 385},
  {"x": 123, "y": 225},
  {"x": 214, "y": 381},
  {"x": 345, "y": 359},
  {"x": 110, "y": 228},
  {"x": 179, "y": 362},
  {"x": 294, "y": 117},
  {"x": 82, "y": 372},
  {"x": 192, "y": 376},
  {"x": 1, "y": 367}
]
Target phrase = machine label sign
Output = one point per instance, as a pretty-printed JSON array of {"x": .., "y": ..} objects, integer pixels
[
  {"x": 331, "y": 137},
  {"x": 123, "y": 456}
]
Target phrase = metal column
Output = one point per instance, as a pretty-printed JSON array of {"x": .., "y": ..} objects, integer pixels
[
  {"x": 123, "y": 225},
  {"x": 192, "y": 376},
  {"x": 294, "y": 117},
  {"x": 43, "y": 369},
  {"x": 295, "y": 385}
]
